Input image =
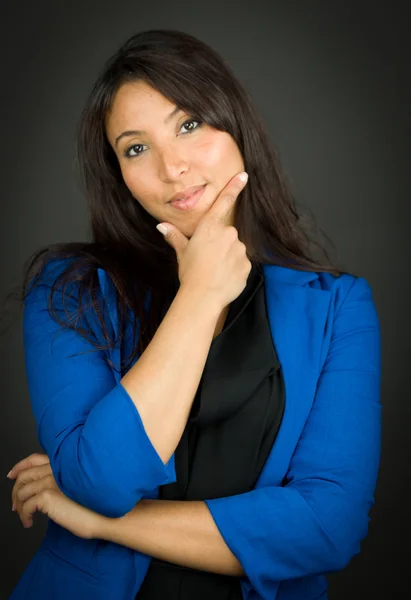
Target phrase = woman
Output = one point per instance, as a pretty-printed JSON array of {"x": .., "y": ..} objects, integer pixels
[{"x": 208, "y": 401}]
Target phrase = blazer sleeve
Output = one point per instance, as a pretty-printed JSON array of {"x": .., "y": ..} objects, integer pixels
[
  {"x": 87, "y": 424},
  {"x": 315, "y": 521}
]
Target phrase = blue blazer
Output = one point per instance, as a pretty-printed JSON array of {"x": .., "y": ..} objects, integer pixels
[{"x": 310, "y": 508}]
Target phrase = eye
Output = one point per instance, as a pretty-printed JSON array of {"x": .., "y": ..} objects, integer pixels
[
  {"x": 127, "y": 151},
  {"x": 191, "y": 121}
]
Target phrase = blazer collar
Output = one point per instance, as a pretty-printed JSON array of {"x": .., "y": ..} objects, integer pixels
[{"x": 276, "y": 273}]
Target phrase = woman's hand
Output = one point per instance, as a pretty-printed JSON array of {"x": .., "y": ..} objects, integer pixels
[
  {"x": 214, "y": 259},
  {"x": 36, "y": 489},
  {"x": 33, "y": 474}
]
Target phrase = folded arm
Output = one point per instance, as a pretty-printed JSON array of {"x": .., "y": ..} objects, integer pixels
[
  {"x": 99, "y": 452},
  {"x": 180, "y": 532}
]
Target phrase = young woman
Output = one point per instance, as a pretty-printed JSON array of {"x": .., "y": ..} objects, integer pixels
[{"x": 208, "y": 402}]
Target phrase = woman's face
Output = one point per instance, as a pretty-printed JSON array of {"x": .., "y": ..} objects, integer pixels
[{"x": 171, "y": 152}]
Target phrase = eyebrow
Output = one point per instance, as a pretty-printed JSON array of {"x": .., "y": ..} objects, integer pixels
[{"x": 140, "y": 131}]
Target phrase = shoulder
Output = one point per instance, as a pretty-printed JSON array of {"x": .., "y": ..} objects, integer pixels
[
  {"x": 49, "y": 273},
  {"x": 341, "y": 287},
  {"x": 56, "y": 295},
  {"x": 55, "y": 284},
  {"x": 56, "y": 271},
  {"x": 351, "y": 296}
]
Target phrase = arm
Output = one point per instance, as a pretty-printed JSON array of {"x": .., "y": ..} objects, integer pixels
[
  {"x": 316, "y": 521},
  {"x": 180, "y": 532},
  {"x": 98, "y": 441}
]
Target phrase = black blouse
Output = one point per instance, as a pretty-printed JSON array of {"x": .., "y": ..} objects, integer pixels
[{"x": 233, "y": 423}]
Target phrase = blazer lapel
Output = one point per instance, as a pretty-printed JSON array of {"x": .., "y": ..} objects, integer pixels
[{"x": 297, "y": 311}]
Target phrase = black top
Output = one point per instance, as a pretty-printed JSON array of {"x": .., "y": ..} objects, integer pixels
[{"x": 229, "y": 434}]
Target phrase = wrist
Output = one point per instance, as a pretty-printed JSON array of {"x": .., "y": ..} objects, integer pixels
[
  {"x": 103, "y": 528},
  {"x": 113, "y": 529},
  {"x": 206, "y": 302}
]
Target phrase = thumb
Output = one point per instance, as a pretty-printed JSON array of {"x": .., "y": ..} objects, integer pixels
[{"x": 174, "y": 237}]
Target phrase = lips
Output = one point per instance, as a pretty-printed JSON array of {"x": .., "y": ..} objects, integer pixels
[
  {"x": 185, "y": 194},
  {"x": 189, "y": 203}
]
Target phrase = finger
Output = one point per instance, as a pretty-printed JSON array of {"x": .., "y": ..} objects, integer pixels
[
  {"x": 225, "y": 202},
  {"x": 175, "y": 238},
  {"x": 31, "y": 490},
  {"x": 39, "y": 502},
  {"x": 30, "y": 461},
  {"x": 26, "y": 476},
  {"x": 34, "y": 487},
  {"x": 24, "y": 494}
]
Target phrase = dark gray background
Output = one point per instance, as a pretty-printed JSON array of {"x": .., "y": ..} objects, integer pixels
[{"x": 331, "y": 80}]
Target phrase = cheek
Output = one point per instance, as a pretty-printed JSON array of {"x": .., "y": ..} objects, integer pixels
[
  {"x": 138, "y": 187},
  {"x": 219, "y": 154},
  {"x": 130, "y": 179},
  {"x": 140, "y": 190},
  {"x": 211, "y": 153}
]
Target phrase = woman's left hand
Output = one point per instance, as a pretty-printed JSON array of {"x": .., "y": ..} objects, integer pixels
[{"x": 36, "y": 489}]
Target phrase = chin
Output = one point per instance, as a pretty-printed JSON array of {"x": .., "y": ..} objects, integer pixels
[
  {"x": 189, "y": 232},
  {"x": 187, "y": 228}
]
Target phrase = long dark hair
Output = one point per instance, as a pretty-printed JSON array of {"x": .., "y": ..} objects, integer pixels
[{"x": 125, "y": 242}]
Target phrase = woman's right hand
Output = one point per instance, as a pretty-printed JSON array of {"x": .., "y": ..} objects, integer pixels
[{"x": 213, "y": 260}]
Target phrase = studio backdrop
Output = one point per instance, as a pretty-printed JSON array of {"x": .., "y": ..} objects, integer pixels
[{"x": 331, "y": 83}]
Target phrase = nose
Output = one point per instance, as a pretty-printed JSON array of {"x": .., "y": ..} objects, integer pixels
[{"x": 172, "y": 165}]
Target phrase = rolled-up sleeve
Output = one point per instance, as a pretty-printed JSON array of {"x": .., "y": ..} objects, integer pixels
[
  {"x": 315, "y": 521},
  {"x": 87, "y": 424}
]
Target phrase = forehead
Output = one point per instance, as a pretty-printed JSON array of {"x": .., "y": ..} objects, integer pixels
[{"x": 138, "y": 104}]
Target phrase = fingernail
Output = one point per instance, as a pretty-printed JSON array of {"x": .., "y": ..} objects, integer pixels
[
  {"x": 243, "y": 176},
  {"x": 162, "y": 229},
  {"x": 13, "y": 508},
  {"x": 8, "y": 474}
]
